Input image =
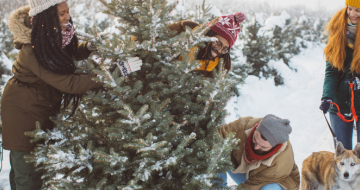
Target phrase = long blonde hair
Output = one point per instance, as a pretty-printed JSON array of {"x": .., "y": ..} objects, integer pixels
[{"x": 335, "y": 49}]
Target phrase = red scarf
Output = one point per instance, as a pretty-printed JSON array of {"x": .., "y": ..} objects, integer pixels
[
  {"x": 249, "y": 154},
  {"x": 67, "y": 35}
]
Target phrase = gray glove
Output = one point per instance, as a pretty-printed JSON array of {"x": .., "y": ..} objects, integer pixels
[{"x": 131, "y": 65}]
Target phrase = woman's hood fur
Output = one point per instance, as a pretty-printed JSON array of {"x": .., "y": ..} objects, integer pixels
[{"x": 16, "y": 23}]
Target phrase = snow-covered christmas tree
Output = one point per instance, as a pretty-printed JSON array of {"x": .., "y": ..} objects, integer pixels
[
  {"x": 257, "y": 49},
  {"x": 6, "y": 46},
  {"x": 155, "y": 128}
]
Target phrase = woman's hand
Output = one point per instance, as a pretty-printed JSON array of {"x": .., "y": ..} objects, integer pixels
[
  {"x": 131, "y": 65},
  {"x": 325, "y": 105}
]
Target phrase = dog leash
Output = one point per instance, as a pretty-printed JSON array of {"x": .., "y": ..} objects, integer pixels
[
  {"x": 352, "y": 107},
  {"x": 342, "y": 117},
  {"x": 332, "y": 132}
]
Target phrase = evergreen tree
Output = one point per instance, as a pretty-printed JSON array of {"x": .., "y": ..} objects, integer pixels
[
  {"x": 257, "y": 49},
  {"x": 154, "y": 129},
  {"x": 1, "y": 91},
  {"x": 239, "y": 70},
  {"x": 318, "y": 30},
  {"x": 6, "y": 46},
  {"x": 284, "y": 42},
  {"x": 304, "y": 30},
  {"x": 6, "y": 39},
  {"x": 284, "y": 45},
  {"x": 201, "y": 14},
  {"x": 87, "y": 14}
]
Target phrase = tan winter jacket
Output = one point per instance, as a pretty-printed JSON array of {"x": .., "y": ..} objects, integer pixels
[
  {"x": 30, "y": 96},
  {"x": 279, "y": 168}
]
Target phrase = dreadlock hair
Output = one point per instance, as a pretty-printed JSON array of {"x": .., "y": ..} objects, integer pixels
[
  {"x": 205, "y": 53},
  {"x": 335, "y": 49},
  {"x": 46, "y": 39}
]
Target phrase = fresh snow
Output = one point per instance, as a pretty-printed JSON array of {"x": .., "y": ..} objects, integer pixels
[
  {"x": 260, "y": 18},
  {"x": 271, "y": 22},
  {"x": 8, "y": 64},
  {"x": 303, "y": 19},
  {"x": 297, "y": 100},
  {"x": 100, "y": 17},
  {"x": 215, "y": 11},
  {"x": 182, "y": 9},
  {"x": 6, "y": 61}
]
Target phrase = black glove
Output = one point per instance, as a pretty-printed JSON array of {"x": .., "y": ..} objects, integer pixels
[
  {"x": 325, "y": 105},
  {"x": 356, "y": 82}
]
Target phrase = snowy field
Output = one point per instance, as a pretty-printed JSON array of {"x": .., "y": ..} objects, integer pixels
[{"x": 298, "y": 100}]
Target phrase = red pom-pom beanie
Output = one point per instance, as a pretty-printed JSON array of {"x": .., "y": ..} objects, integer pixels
[{"x": 229, "y": 27}]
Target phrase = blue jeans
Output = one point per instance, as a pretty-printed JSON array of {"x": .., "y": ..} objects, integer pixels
[
  {"x": 241, "y": 178},
  {"x": 343, "y": 131}
]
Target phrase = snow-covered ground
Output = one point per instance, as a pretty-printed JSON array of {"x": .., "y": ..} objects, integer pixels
[
  {"x": 298, "y": 100},
  {"x": 4, "y": 174}
]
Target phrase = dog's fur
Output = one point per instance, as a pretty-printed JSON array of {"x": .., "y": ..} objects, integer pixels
[{"x": 329, "y": 171}]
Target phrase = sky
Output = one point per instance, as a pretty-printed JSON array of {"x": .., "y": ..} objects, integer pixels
[
  {"x": 328, "y": 5},
  {"x": 312, "y": 4}
]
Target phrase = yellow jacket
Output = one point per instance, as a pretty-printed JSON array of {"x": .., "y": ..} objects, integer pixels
[{"x": 212, "y": 63}]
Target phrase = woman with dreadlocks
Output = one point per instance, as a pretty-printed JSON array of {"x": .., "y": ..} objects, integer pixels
[
  {"x": 44, "y": 80},
  {"x": 226, "y": 31},
  {"x": 342, "y": 70}
]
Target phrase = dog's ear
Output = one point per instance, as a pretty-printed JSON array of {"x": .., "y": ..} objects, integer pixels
[
  {"x": 357, "y": 150},
  {"x": 339, "y": 149}
]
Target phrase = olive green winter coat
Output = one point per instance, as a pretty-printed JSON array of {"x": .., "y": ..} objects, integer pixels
[
  {"x": 280, "y": 168},
  {"x": 337, "y": 88},
  {"x": 34, "y": 93}
]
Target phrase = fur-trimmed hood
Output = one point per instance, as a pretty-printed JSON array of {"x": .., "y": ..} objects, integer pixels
[{"x": 16, "y": 23}]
